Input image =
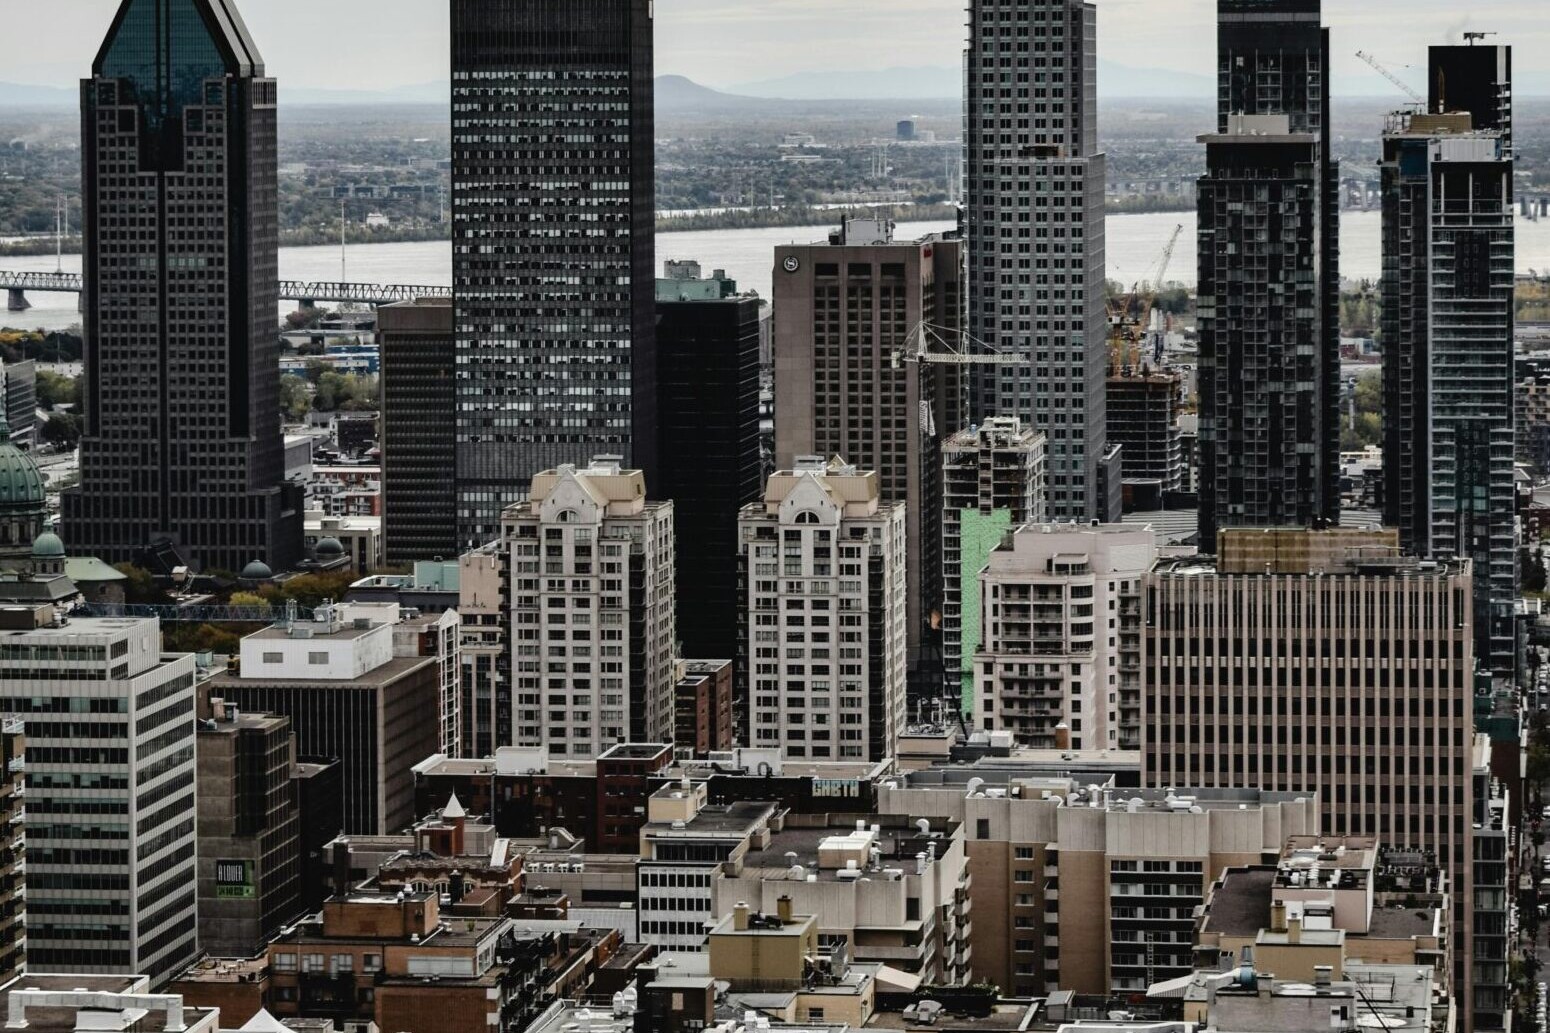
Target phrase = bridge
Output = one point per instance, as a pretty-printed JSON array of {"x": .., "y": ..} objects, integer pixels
[{"x": 308, "y": 293}]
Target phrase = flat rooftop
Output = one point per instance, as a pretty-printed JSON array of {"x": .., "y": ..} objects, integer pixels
[
  {"x": 385, "y": 674},
  {"x": 64, "y": 1018},
  {"x": 345, "y": 632},
  {"x": 1241, "y": 904},
  {"x": 898, "y": 843},
  {"x": 224, "y": 970},
  {"x": 738, "y": 818}
]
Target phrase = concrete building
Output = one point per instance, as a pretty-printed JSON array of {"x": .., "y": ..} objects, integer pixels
[
  {"x": 850, "y": 314},
  {"x": 13, "y": 908},
  {"x": 896, "y": 888},
  {"x": 1059, "y": 660},
  {"x": 1393, "y": 997},
  {"x": 419, "y": 437},
  {"x": 993, "y": 481},
  {"x": 111, "y": 876},
  {"x": 20, "y": 380},
  {"x": 824, "y": 628},
  {"x": 485, "y": 706},
  {"x": 702, "y": 706},
  {"x": 554, "y": 315},
  {"x": 1090, "y": 887},
  {"x": 591, "y": 586},
  {"x": 1143, "y": 418},
  {"x": 438, "y": 635},
  {"x": 708, "y": 440},
  {"x": 1448, "y": 376},
  {"x": 348, "y": 695},
  {"x": 69, "y": 1003},
  {"x": 356, "y": 539},
  {"x": 1269, "y": 278},
  {"x": 1321, "y": 661},
  {"x": 1494, "y": 875},
  {"x": 1034, "y": 188},
  {"x": 1328, "y": 901},
  {"x": 779, "y": 954},
  {"x": 182, "y": 442},
  {"x": 684, "y": 845},
  {"x": 248, "y": 830}
]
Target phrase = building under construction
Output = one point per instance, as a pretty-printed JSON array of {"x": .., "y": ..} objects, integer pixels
[{"x": 1143, "y": 416}]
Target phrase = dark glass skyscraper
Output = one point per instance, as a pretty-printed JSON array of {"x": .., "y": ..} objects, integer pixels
[
  {"x": 553, "y": 216},
  {"x": 1269, "y": 243},
  {"x": 1448, "y": 252},
  {"x": 182, "y": 440},
  {"x": 1035, "y": 229}
]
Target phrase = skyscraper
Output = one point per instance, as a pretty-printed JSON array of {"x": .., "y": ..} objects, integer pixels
[
  {"x": 847, "y": 315},
  {"x": 1269, "y": 276},
  {"x": 182, "y": 439},
  {"x": 1035, "y": 190},
  {"x": 414, "y": 339},
  {"x": 1448, "y": 395},
  {"x": 553, "y": 215}
]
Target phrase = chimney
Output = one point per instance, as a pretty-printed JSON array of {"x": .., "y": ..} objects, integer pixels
[
  {"x": 1278, "y": 917},
  {"x": 1322, "y": 974},
  {"x": 740, "y": 917},
  {"x": 1294, "y": 930},
  {"x": 783, "y": 909}
]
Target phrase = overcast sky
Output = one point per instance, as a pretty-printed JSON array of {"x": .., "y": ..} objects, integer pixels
[{"x": 371, "y": 44}]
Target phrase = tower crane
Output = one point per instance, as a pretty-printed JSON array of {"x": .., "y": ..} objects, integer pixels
[
  {"x": 1126, "y": 336},
  {"x": 1415, "y": 98},
  {"x": 917, "y": 349}
]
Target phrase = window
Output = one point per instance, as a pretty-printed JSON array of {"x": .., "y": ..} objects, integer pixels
[
  {"x": 371, "y": 962},
  {"x": 317, "y": 659},
  {"x": 982, "y": 828},
  {"x": 285, "y": 962},
  {"x": 312, "y": 962},
  {"x": 342, "y": 964},
  {"x": 274, "y": 658}
]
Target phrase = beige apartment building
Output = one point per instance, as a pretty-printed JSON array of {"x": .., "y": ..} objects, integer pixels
[
  {"x": 577, "y": 599},
  {"x": 1086, "y": 887},
  {"x": 1059, "y": 658},
  {"x": 1322, "y": 661},
  {"x": 822, "y": 639},
  {"x": 849, "y": 314}
]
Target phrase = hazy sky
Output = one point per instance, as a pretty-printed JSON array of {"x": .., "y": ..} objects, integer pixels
[{"x": 368, "y": 44}]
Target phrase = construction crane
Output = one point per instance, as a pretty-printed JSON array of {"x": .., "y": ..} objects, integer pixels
[
  {"x": 917, "y": 349},
  {"x": 1125, "y": 335},
  {"x": 1415, "y": 98}
]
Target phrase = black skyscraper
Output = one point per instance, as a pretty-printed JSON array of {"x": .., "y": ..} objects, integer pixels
[
  {"x": 553, "y": 215},
  {"x": 182, "y": 439},
  {"x": 708, "y": 405},
  {"x": 418, "y": 438},
  {"x": 1269, "y": 244}
]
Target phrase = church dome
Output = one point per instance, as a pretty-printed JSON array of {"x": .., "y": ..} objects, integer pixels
[
  {"x": 21, "y": 483},
  {"x": 330, "y": 547},
  {"x": 47, "y": 546},
  {"x": 258, "y": 570}
]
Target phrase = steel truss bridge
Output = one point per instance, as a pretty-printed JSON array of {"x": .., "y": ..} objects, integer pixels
[{"x": 306, "y": 292}]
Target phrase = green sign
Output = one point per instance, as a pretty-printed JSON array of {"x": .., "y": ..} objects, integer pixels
[{"x": 234, "y": 880}]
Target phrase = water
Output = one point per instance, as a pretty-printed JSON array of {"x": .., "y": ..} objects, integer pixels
[{"x": 1135, "y": 243}]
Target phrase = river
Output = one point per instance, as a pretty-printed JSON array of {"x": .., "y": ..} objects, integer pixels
[{"x": 1135, "y": 242}]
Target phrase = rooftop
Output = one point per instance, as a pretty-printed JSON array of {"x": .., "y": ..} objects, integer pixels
[
  {"x": 224, "y": 970},
  {"x": 68, "y": 1003},
  {"x": 733, "y": 819},
  {"x": 1240, "y": 905},
  {"x": 898, "y": 841},
  {"x": 377, "y": 677}
]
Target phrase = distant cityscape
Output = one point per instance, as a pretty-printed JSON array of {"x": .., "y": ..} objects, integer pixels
[{"x": 985, "y": 621}]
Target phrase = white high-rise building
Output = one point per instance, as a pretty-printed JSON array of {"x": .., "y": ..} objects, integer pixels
[
  {"x": 1060, "y": 641},
  {"x": 823, "y": 643},
  {"x": 1034, "y": 221},
  {"x": 591, "y": 609},
  {"x": 109, "y": 718}
]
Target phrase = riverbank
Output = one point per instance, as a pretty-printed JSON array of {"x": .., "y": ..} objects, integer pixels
[{"x": 797, "y": 215}]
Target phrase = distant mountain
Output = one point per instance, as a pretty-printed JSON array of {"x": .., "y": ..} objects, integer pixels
[
  {"x": 418, "y": 93},
  {"x": 1117, "y": 80},
  {"x": 680, "y": 94},
  {"x": 17, "y": 95},
  {"x": 842, "y": 84}
]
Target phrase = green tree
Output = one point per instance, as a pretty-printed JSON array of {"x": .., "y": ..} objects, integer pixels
[
  {"x": 295, "y": 396},
  {"x": 141, "y": 587},
  {"x": 54, "y": 389},
  {"x": 62, "y": 429},
  {"x": 248, "y": 599},
  {"x": 310, "y": 590}
]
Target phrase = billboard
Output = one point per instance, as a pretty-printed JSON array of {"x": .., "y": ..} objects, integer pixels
[{"x": 234, "y": 880}]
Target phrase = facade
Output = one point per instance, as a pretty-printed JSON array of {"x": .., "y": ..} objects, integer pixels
[
  {"x": 849, "y": 315},
  {"x": 438, "y": 635},
  {"x": 702, "y": 706},
  {"x": 348, "y": 696},
  {"x": 485, "y": 706},
  {"x": 419, "y": 439},
  {"x": 13, "y": 908},
  {"x": 65, "y": 1003},
  {"x": 1269, "y": 252},
  {"x": 993, "y": 482},
  {"x": 1143, "y": 418},
  {"x": 1448, "y": 374},
  {"x": 248, "y": 829},
  {"x": 1059, "y": 658},
  {"x": 1321, "y": 661},
  {"x": 182, "y": 440},
  {"x": 1035, "y": 223},
  {"x": 21, "y": 402},
  {"x": 1494, "y": 877},
  {"x": 116, "y": 719},
  {"x": 1091, "y": 888},
  {"x": 553, "y": 293},
  {"x": 821, "y": 566},
  {"x": 708, "y": 440},
  {"x": 591, "y": 583}
]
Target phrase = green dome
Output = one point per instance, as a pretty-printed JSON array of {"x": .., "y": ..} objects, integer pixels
[
  {"x": 258, "y": 570},
  {"x": 47, "y": 546},
  {"x": 330, "y": 547},
  {"x": 21, "y": 485}
]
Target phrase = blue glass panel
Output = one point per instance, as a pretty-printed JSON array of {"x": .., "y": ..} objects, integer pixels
[{"x": 166, "y": 51}]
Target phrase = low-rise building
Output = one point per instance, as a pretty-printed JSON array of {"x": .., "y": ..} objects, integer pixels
[
  {"x": 775, "y": 964},
  {"x": 71, "y": 1002},
  {"x": 13, "y": 909},
  {"x": 702, "y": 706}
]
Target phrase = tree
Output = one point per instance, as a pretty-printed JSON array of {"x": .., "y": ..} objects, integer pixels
[
  {"x": 141, "y": 587},
  {"x": 295, "y": 396},
  {"x": 304, "y": 318},
  {"x": 249, "y": 599},
  {"x": 54, "y": 389},
  {"x": 310, "y": 590},
  {"x": 62, "y": 429}
]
